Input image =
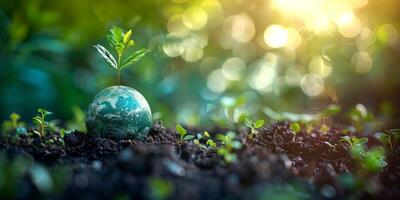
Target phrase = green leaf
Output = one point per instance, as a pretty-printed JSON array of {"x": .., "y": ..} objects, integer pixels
[
  {"x": 206, "y": 134},
  {"x": 14, "y": 120},
  {"x": 182, "y": 132},
  {"x": 374, "y": 159},
  {"x": 44, "y": 112},
  {"x": 106, "y": 56},
  {"x": 248, "y": 123},
  {"x": 211, "y": 143},
  {"x": 188, "y": 137},
  {"x": 115, "y": 39},
  {"x": 127, "y": 36},
  {"x": 259, "y": 124},
  {"x": 134, "y": 58},
  {"x": 14, "y": 117},
  {"x": 331, "y": 110},
  {"x": 295, "y": 127},
  {"x": 37, "y": 119}
]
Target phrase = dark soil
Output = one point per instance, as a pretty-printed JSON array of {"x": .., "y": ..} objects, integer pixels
[{"x": 273, "y": 164}]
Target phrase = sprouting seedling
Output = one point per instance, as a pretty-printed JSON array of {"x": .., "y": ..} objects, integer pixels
[
  {"x": 14, "y": 119},
  {"x": 359, "y": 117},
  {"x": 253, "y": 126},
  {"x": 357, "y": 145},
  {"x": 183, "y": 133},
  {"x": 201, "y": 137},
  {"x": 41, "y": 120},
  {"x": 228, "y": 146},
  {"x": 389, "y": 137},
  {"x": 12, "y": 124},
  {"x": 295, "y": 126},
  {"x": 385, "y": 139},
  {"x": 372, "y": 160},
  {"x": 121, "y": 43}
]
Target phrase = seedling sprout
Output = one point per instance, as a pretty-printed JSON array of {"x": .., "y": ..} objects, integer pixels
[
  {"x": 120, "y": 42},
  {"x": 41, "y": 120}
]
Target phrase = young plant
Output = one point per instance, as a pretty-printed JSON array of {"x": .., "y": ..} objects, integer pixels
[
  {"x": 120, "y": 42},
  {"x": 357, "y": 145},
  {"x": 360, "y": 117},
  {"x": 201, "y": 137},
  {"x": 41, "y": 120},
  {"x": 13, "y": 124},
  {"x": 183, "y": 133},
  {"x": 389, "y": 138},
  {"x": 372, "y": 160},
  {"x": 229, "y": 145},
  {"x": 78, "y": 122},
  {"x": 295, "y": 126},
  {"x": 253, "y": 126}
]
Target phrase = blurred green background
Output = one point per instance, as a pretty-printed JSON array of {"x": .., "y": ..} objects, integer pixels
[{"x": 207, "y": 56}]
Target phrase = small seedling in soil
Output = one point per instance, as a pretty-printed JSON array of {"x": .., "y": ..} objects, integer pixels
[
  {"x": 389, "y": 138},
  {"x": 373, "y": 160},
  {"x": 120, "y": 42},
  {"x": 202, "y": 137},
  {"x": 360, "y": 117},
  {"x": 357, "y": 145},
  {"x": 253, "y": 126},
  {"x": 41, "y": 120},
  {"x": 13, "y": 124},
  {"x": 295, "y": 127},
  {"x": 183, "y": 133},
  {"x": 229, "y": 145},
  {"x": 78, "y": 122}
]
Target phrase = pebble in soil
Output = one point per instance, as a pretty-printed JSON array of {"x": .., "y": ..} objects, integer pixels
[{"x": 119, "y": 112}]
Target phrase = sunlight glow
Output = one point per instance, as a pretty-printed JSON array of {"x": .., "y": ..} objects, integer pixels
[
  {"x": 321, "y": 15},
  {"x": 194, "y": 18},
  {"x": 240, "y": 28},
  {"x": 276, "y": 36}
]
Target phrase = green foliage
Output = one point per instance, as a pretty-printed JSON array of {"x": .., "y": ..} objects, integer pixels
[
  {"x": 211, "y": 143},
  {"x": 372, "y": 160},
  {"x": 40, "y": 120},
  {"x": 78, "y": 122},
  {"x": 329, "y": 111},
  {"x": 253, "y": 126},
  {"x": 120, "y": 42},
  {"x": 160, "y": 189},
  {"x": 204, "y": 137},
  {"x": 389, "y": 137},
  {"x": 229, "y": 145},
  {"x": 295, "y": 127},
  {"x": 360, "y": 117},
  {"x": 183, "y": 133},
  {"x": 11, "y": 125},
  {"x": 230, "y": 107},
  {"x": 357, "y": 145},
  {"x": 309, "y": 121}
]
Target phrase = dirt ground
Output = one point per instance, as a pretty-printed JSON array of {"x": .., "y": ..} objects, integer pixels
[{"x": 274, "y": 164}]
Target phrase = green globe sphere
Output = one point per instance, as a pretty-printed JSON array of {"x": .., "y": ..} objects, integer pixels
[{"x": 119, "y": 112}]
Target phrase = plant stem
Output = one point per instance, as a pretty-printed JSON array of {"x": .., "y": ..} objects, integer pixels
[
  {"x": 118, "y": 77},
  {"x": 118, "y": 68},
  {"x": 42, "y": 130}
]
